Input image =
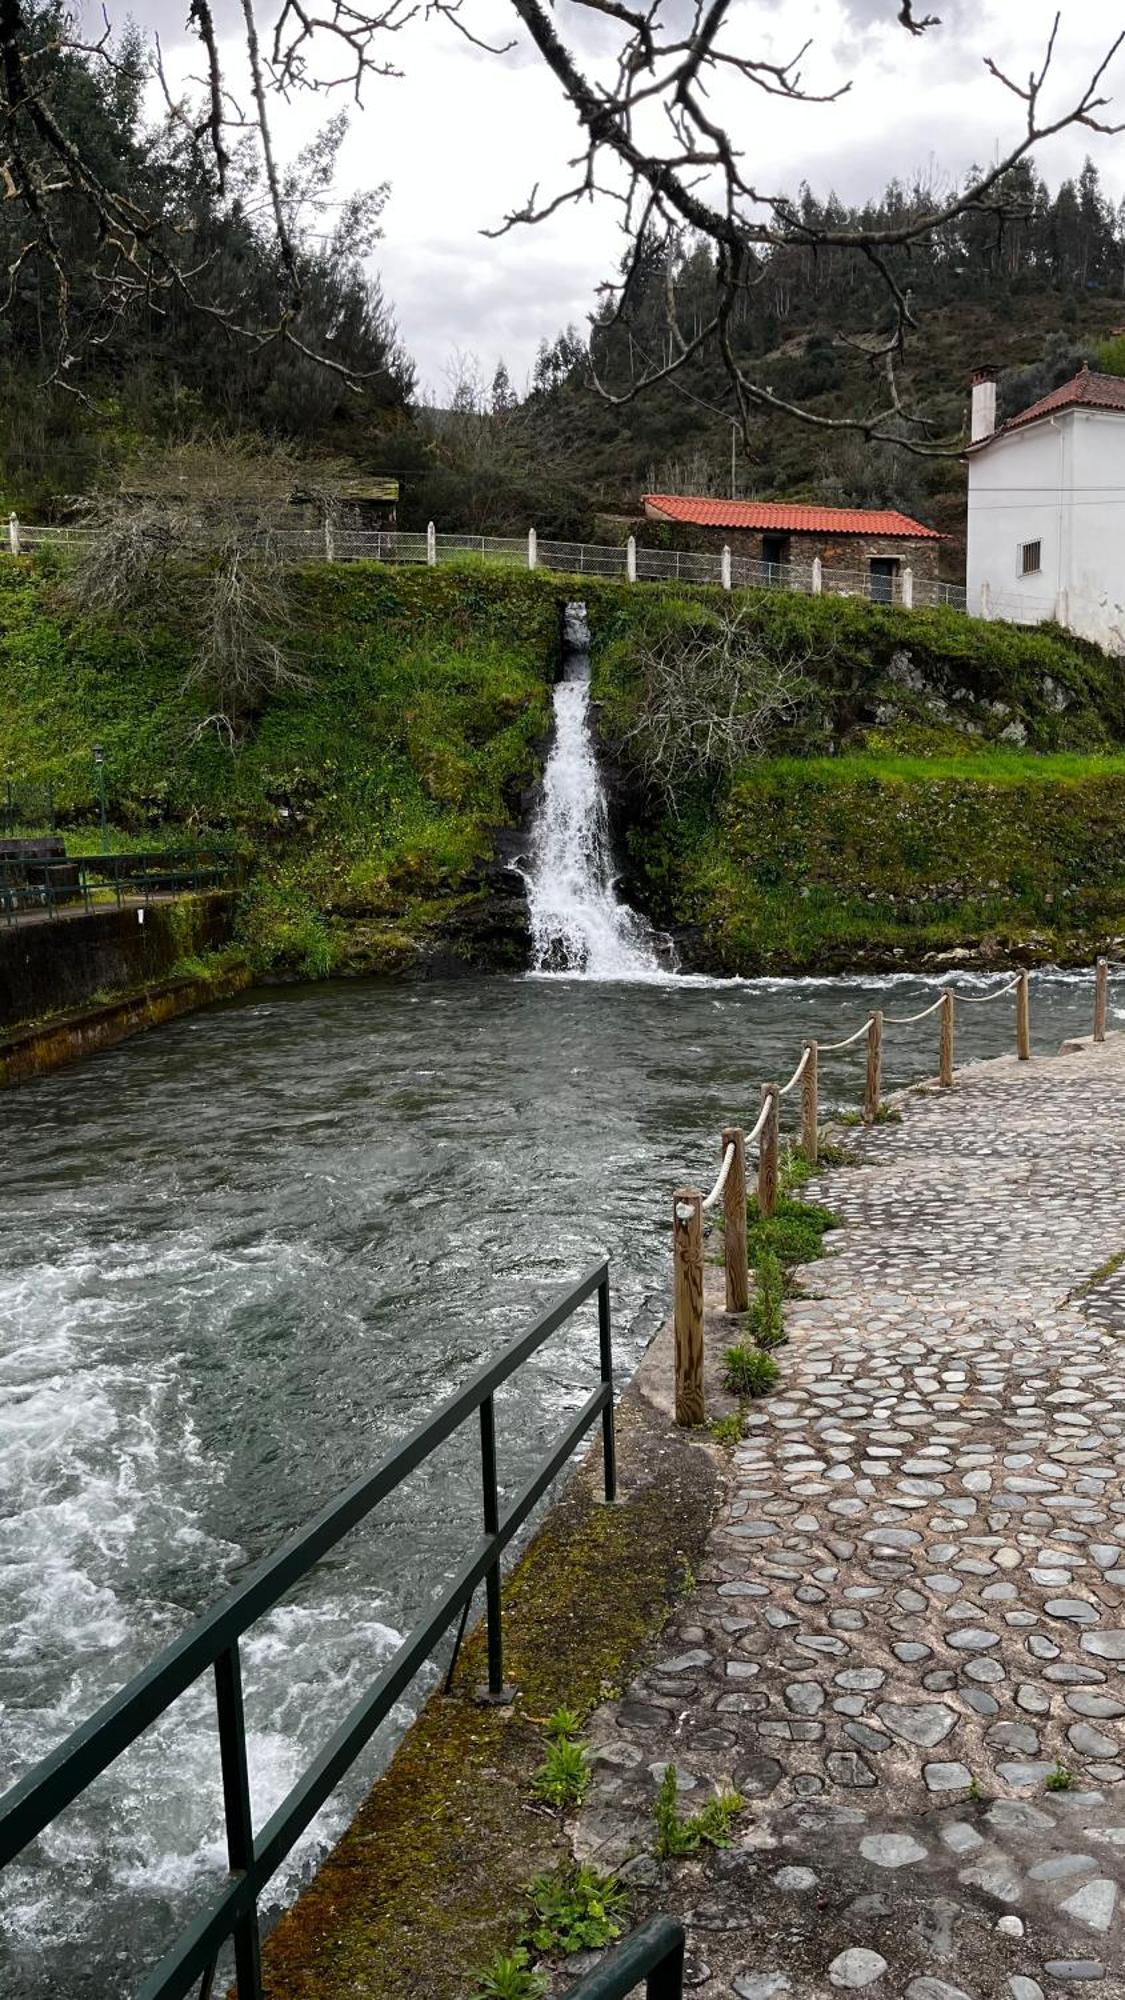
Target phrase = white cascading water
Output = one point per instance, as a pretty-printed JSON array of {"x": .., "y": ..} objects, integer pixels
[{"x": 579, "y": 925}]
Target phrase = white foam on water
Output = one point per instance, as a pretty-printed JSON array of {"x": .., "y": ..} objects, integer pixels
[{"x": 104, "y": 1494}]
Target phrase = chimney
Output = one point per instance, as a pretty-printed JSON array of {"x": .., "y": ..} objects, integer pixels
[{"x": 984, "y": 403}]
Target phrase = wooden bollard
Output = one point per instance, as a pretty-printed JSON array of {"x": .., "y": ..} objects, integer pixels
[
  {"x": 873, "y": 1089},
  {"x": 1023, "y": 1019},
  {"x": 687, "y": 1253},
  {"x": 734, "y": 1222},
  {"x": 1101, "y": 998},
  {"x": 810, "y": 1107},
  {"x": 768, "y": 1149},
  {"x": 945, "y": 1041}
]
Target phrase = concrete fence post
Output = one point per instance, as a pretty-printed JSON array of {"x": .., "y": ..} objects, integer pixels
[
  {"x": 329, "y": 539},
  {"x": 908, "y": 589},
  {"x": 431, "y": 544},
  {"x": 724, "y": 567},
  {"x": 810, "y": 1108},
  {"x": 1101, "y": 996},
  {"x": 986, "y": 599},
  {"x": 687, "y": 1255},
  {"x": 768, "y": 1150},
  {"x": 631, "y": 560},
  {"x": 734, "y": 1222},
  {"x": 945, "y": 1042},
  {"x": 14, "y": 533},
  {"x": 872, "y": 1095},
  {"x": 817, "y": 577},
  {"x": 532, "y": 549},
  {"x": 1023, "y": 1019}
]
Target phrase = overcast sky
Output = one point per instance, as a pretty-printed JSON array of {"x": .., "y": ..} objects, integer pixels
[{"x": 462, "y": 137}]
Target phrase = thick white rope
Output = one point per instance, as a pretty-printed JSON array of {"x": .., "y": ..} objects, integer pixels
[
  {"x": 908, "y": 1020},
  {"x": 830, "y": 1048},
  {"x": 759, "y": 1128},
  {"x": 798, "y": 1073},
  {"x": 982, "y": 999},
  {"x": 710, "y": 1199}
]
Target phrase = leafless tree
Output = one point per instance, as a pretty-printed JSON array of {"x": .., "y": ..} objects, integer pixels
[
  {"x": 713, "y": 697},
  {"x": 194, "y": 541},
  {"x": 659, "y": 106}
]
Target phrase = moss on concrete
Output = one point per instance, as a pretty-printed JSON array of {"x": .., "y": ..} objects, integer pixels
[{"x": 429, "y": 1881}]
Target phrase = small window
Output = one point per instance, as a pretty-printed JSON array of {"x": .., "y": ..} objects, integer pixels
[{"x": 1031, "y": 558}]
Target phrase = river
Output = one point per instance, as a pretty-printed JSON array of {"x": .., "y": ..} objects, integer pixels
[{"x": 238, "y": 1258}]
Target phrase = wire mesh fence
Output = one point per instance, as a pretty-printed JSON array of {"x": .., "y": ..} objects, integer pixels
[{"x": 887, "y": 582}]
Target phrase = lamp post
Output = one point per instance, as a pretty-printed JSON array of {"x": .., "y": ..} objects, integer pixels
[{"x": 99, "y": 766}]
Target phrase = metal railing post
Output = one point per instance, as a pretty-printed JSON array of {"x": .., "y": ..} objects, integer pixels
[
  {"x": 810, "y": 1108},
  {"x": 605, "y": 1355},
  {"x": 1023, "y": 1019},
  {"x": 496, "y": 1690},
  {"x": 238, "y": 1814},
  {"x": 687, "y": 1254},
  {"x": 945, "y": 1040},
  {"x": 872, "y": 1094},
  {"x": 1101, "y": 996},
  {"x": 734, "y": 1221}
]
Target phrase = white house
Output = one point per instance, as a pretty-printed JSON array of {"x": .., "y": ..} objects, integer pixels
[{"x": 1047, "y": 508}]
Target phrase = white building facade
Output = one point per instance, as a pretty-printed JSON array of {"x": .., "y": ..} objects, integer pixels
[{"x": 1046, "y": 522}]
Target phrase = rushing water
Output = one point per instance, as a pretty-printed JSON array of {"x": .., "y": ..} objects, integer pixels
[
  {"x": 238, "y": 1258},
  {"x": 579, "y": 924}
]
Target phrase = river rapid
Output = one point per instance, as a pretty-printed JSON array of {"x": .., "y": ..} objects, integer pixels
[{"x": 239, "y": 1257}]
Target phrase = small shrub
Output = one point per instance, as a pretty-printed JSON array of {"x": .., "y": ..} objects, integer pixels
[
  {"x": 728, "y": 1429},
  {"x": 575, "y": 1909},
  {"x": 830, "y": 1153},
  {"x": 564, "y": 1722},
  {"x": 766, "y": 1315},
  {"x": 794, "y": 1232},
  {"x": 748, "y": 1372},
  {"x": 564, "y": 1777},
  {"x": 508, "y": 1977},
  {"x": 711, "y": 1827},
  {"x": 1060, "y": 1779}
]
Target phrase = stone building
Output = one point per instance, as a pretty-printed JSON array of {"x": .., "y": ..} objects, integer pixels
[{"x": 861, "y": 551}]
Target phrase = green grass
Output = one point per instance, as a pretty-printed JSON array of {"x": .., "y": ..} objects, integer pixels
[
  {"x": 747, "y": 1372},
  {"x": 712, "y": 1826},
  {"x": 794, "y": 1232}
]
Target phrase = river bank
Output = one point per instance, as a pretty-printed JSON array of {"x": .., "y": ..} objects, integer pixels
[{"x": 239, "y": 1259}]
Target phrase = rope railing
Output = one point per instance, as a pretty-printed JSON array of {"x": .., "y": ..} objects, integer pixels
[{"x": 689, "y": 1206}]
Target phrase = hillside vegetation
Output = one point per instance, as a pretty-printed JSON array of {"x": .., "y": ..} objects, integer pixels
[{"x": 943, "y": 785}]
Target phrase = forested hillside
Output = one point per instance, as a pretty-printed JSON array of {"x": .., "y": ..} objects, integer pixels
[
  {"x": 1033, "y": 297},
  {"x": 1034, "y": 294}
]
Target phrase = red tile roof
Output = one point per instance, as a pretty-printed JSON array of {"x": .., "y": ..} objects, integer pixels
[
  {"x": 786, "y": 516},
  {"x": 1085, "y": 391}
]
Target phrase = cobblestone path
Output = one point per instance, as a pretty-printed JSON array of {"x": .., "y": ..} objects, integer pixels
[{"x": 907, "y": 1650}]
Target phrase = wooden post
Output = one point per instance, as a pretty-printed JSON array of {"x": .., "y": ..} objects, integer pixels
[
  {"x": 1101, "y": 996},
  {"x": 945, "y": 1044},
  {"x": 734, "y": 1222},
  {"x": 768, "y": 1148},
  {"x": 1023, "y": 1019},
  {"x": 810, "y": 1106},
  {"x": 873, "y": 1089},
  {"x": 687, "y": 1253}
]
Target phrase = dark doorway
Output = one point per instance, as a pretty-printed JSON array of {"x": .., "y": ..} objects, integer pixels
[
  {"x": 884, "y": 570},
  {"x": 775, "y": 555}
]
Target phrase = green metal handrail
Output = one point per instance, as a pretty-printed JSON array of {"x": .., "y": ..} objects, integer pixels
[
  {"x": 231, "y": 1913},
  {"x": 653, "y": 1952}
]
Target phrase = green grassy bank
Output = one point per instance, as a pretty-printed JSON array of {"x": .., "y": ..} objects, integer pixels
[
  {"x": 947, "y": 787},
  {"x": 942, "y": 785}
]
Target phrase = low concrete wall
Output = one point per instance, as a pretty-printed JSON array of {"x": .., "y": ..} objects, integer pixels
[
  {"x": 32, "y": 1051},
  {"x": 51, "y": 968}
]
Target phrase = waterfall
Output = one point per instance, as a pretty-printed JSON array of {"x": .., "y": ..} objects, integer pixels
[{"x": 578, "y": 923}]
